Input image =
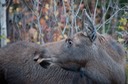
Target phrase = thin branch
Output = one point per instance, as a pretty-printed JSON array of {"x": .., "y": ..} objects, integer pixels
[
  {"x": 103, "y": 18},
  {"x": 107, "y": 8},
  {"x": 55, "y": 9},
  {"x": 77, "y": 15},
  {"x": 37, "y": 1},
  {"x": 66, "y": 18},
  {"x": 9, "y": 3},
  {"x": 78, "y": 9},
  {"x": 110, "y": 18},
  {"x": 40, "y": 31},
  {"x": 88, "y": 17},
  {"x": 95, "y": 12},
  {"x": 29, "y": 8},
  {"x": 105, "y": 12},
  {"x": 72, "y": 16},
  {"x": 64, "y": 7},
  {"x": 89, "y": 11}
]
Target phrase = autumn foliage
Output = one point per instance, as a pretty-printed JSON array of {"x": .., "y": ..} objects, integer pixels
[{"x": 43, "y": 21}]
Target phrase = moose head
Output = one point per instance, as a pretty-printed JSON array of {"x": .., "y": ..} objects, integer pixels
[{"x": 69, "y": 53}]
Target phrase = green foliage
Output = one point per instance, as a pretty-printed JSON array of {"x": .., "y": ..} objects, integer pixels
[
  {"x": 123, "y": 27},
  {"x": 123, "y": 2},
  {"x": 2, "y": 36}
]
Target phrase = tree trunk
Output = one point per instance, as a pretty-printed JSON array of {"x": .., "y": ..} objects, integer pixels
[{"x": 3, "y": 29}]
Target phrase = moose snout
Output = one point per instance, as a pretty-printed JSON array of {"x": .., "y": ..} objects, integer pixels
[{"x": 42, "y": 58}]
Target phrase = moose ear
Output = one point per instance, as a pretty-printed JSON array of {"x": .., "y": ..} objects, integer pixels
[
  {"x": 92, "y": 36},
  {"x": 87, "y": 38},
  {"x": 84, "y": 33},
  {"x": 89, "y": 28}
]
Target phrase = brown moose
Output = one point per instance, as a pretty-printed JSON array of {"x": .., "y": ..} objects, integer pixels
[
  {"x": 17, "y": 67},
  {"x": 98, "y": 57},
  {"x": 102, "y": 60}
]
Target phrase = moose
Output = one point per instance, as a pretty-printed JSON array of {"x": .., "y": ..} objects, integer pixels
[
  {"x": 17, "y": 67},
  {"x": 96, "y": 56},
  {"x": 76, "y": 59},
  {"x": 102, "y": 61}
]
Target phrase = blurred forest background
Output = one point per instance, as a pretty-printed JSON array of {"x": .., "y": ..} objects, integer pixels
[{"x": 42, "y": 21}]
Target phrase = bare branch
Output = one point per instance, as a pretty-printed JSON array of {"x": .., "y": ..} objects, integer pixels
[
  {"x": 110, "y": 18},
  {"x": 78, "y": 9},
  {"x": 95, "y": 12},
  {"x": 92, "y": 33},
  {"x": 72, "y": 16},
  {"x": 67, "y": 18}
]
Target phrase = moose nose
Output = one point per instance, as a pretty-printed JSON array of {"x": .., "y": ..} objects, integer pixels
[
  {"x": 39, "y": 54},
  {"x": 36, "y": 58},
  {"x": 42, "y": 58}
]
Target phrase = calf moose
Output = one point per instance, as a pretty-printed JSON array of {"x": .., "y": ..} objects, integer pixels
[
  {"x": 96, "y": 56},
  {"x": 102, "y": 60},
  {"x": 17, "y": 67},
  {"x": 98, "y": 62}
]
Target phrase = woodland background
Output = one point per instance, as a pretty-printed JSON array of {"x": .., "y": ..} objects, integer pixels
[{"x": 42, "y": 21}]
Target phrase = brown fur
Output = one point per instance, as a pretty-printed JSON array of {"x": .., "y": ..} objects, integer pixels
[
  {"x": 102, "y": 60},
  {"x": 17, "y": 67}
]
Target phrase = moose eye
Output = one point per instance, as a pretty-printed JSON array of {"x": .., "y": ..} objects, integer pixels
[{"x": 69, "y": 42}]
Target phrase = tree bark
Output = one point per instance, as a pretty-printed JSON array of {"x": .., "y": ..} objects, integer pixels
[{"x": 3, "y": 27}]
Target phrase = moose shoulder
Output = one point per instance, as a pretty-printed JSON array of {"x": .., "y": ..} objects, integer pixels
[{"x": 102, "y": 60}]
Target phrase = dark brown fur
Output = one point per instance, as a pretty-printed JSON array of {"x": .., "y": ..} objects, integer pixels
[
  {"x": 17, "y": 67},
  {"x": 102, "y": 60}
]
